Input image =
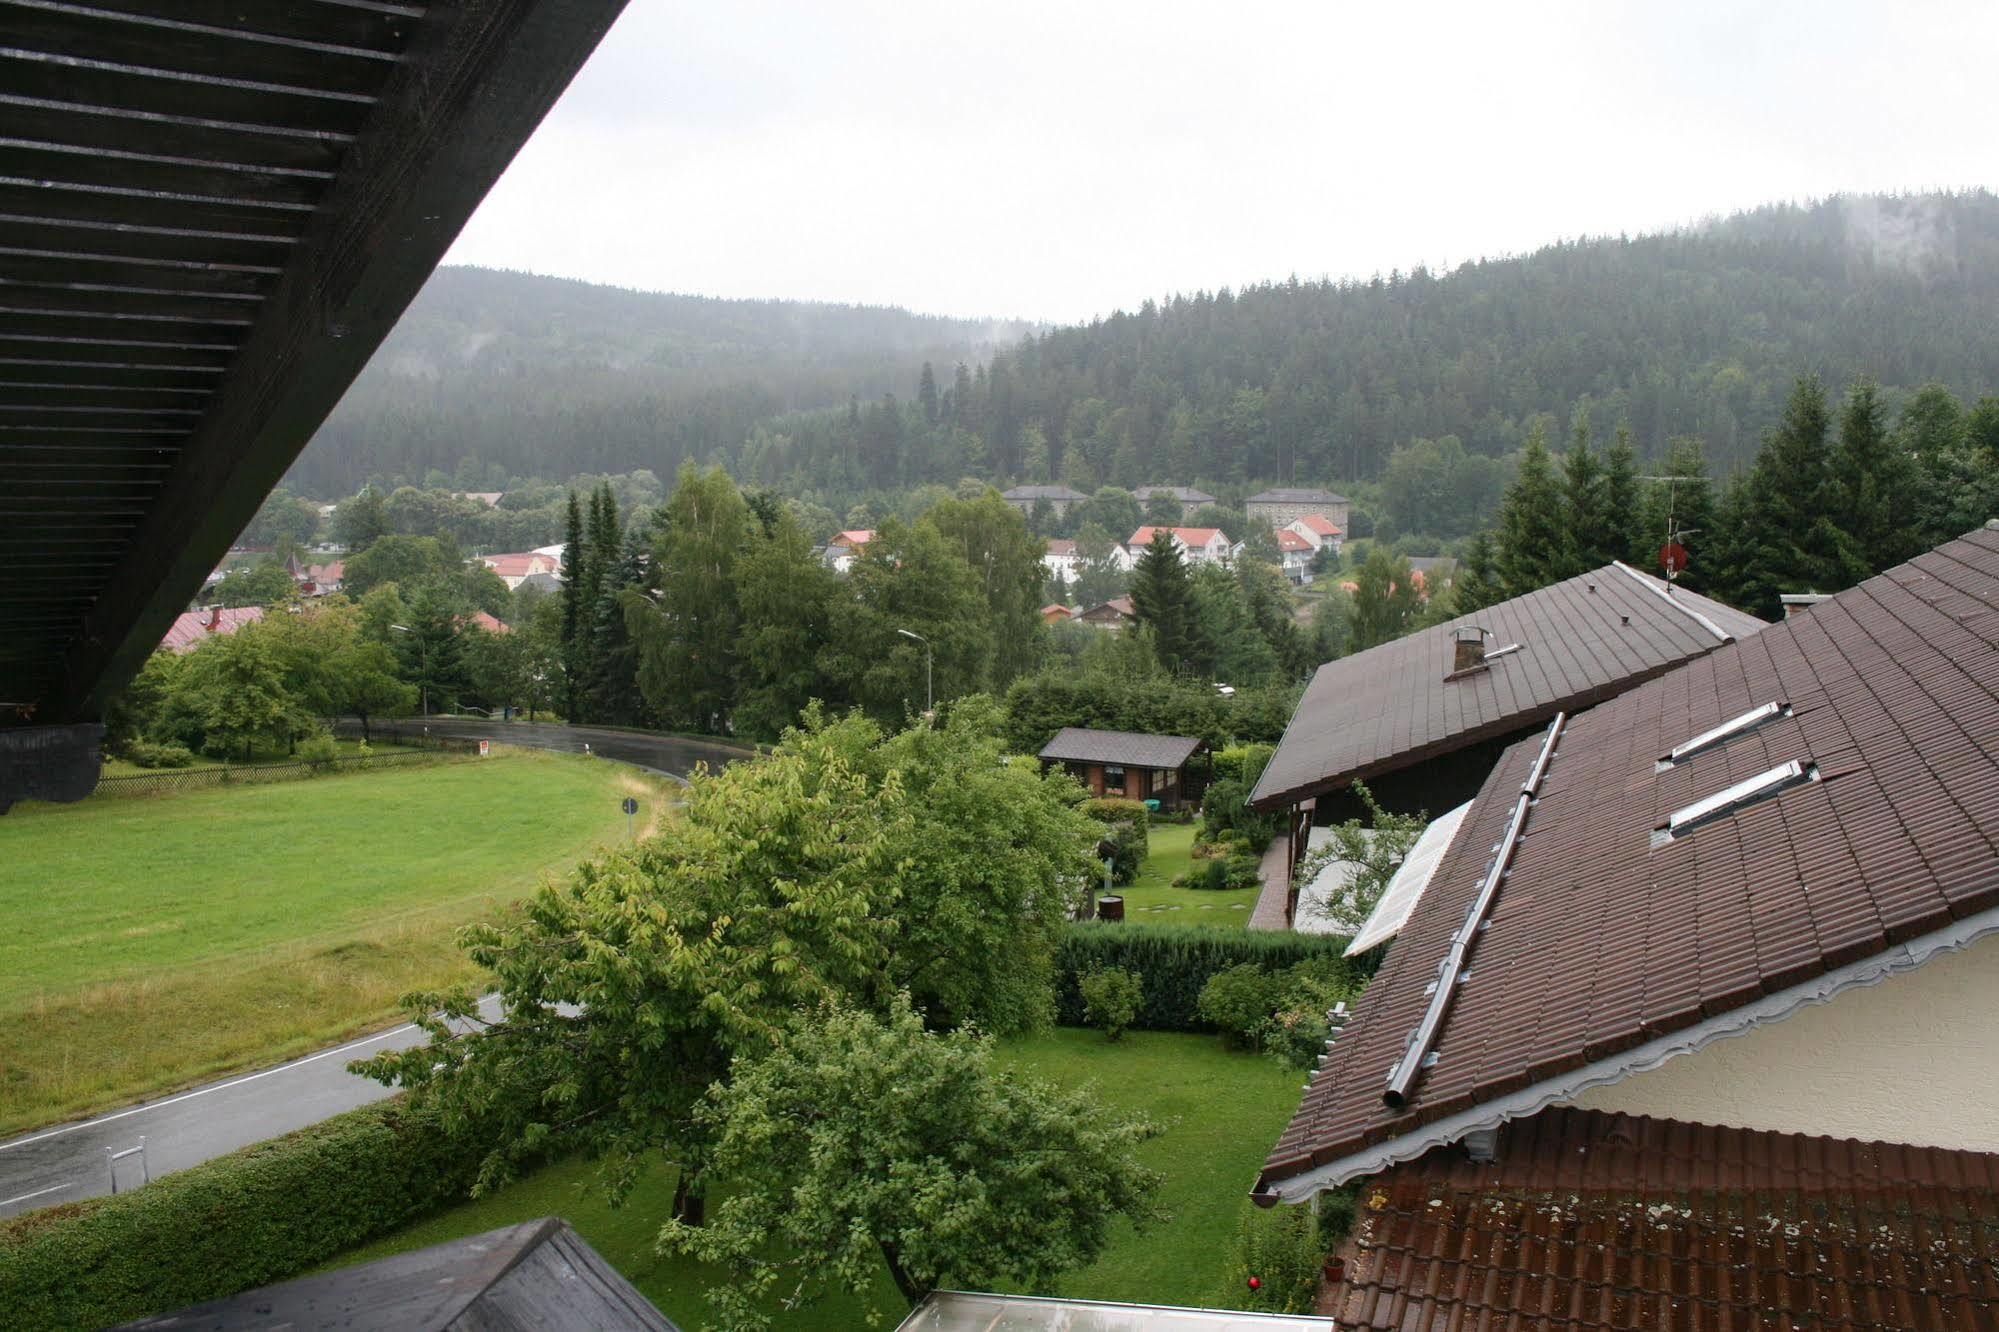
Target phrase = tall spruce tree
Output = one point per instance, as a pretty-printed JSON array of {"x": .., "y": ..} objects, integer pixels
[
  {"x": 1477, "y": 583},
  {"x": 1788, "y": 538},
  {"x": 575, "y": 556},
  {"x": 1683, "y": 506},
  {"x": 1620, "y": 501},
  {"x": 1162, "y": 598},
  {"x": 1530, "y": 522},
  {"x": 1874, "y": 482},
  {"x": 1586, "y": 529}
]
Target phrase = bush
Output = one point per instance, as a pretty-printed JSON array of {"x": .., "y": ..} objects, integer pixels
[
  {"x": 1225, "y": 809},
  {"x": 1128, "y": 822},
  {"x": 1110, "y": 998},
  {"x": 1284, "y": 1250},
  {"x": 1239, "y": 1001},
  {"x": 259, "y": 1215},
  {"x": 319, "y": 750},
  {"x": 1175, "y": 961},
  {"x": 147, "y": 754},
  {"x": 1283, "y": 1012}
]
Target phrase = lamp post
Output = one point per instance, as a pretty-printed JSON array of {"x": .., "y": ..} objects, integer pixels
[
  {"x": 422, "y": 664},
  {"x": 929, "y": 697}
]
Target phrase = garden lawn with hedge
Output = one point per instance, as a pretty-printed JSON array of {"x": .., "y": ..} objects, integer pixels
[
  {"x": 1152, "y": 899},
  {"x": 157, "y": 941},
  {"x": 1221, "y": 1111}
]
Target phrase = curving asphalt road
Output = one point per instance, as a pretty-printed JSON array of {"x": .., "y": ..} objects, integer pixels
[
  {"x": 669, "y": 755},
  {"x": 71, "y": 1161}
]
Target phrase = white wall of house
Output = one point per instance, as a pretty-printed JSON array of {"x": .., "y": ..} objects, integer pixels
[{"x": 1911, "y": 1059}]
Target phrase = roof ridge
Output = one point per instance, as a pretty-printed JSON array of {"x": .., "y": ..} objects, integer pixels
[{"x": 1645, "y": 581}]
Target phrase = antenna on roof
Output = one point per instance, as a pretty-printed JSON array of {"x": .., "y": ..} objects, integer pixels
[{"x": 1673, "y": 552}]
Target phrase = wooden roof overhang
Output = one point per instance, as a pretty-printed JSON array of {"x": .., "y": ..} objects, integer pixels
[{"x": 211, "y": 213}]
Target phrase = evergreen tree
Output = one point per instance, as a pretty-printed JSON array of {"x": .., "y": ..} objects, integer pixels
[
  {"x": 1530, "y": 522},
  {"x": 1874, "y": 483},
  {"x": 1587, "y": 530},
  {"x": 575, "y": 584},
  {"x": 1623, "y": 538},
  {"x": 1684, "y": 506},
  {"x": 1162, "y": 598},
  {"x": 612, "y": 690},
  {"x": 1477, "y": 582},
  {"x": 926, "y": 394},
  {"x": 1788, "y": 539}
]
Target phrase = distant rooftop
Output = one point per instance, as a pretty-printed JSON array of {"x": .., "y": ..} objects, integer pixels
[
  {"x": 1043, "y": 492},
  {"x": 1297, "y": 495},
  {"x": 1185, "y": 494},
  {"x": 1132, "y": 749}
]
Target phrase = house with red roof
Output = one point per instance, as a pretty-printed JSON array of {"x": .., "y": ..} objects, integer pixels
[
  {"x": 191, "y": 629},
  {"x": 1295, "y": 555},
  {"x": 1198, "y": 545},
  {"x": 846, "y": 547},
  {"x": 515, "y": 566},
  {"x": 1317, "y": 529},
  {"x": 1689, "y": 1024}
]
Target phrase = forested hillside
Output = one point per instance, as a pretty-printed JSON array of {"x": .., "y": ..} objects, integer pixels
[
  {"x": 1699, "y": 332},
  {"x": 494, "y": 375}
]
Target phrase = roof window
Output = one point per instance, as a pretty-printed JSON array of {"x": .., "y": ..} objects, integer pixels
[
  {"x": 1728, "y": 730},
  {"x": 1736, "y": 798}
]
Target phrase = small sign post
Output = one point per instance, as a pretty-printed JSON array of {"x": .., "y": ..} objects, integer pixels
[
  {"x": 485, "y": 748},
  {"x": 631, "y": 807}
]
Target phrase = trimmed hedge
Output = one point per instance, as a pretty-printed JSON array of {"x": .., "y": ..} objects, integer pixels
[
  {"x": 262, "y": 1214},
  {"x": 1175, "y": 961}
]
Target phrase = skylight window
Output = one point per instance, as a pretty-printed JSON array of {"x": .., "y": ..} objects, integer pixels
[
  {"x": 1728, "y": 730},
  {"x": 1733, "y": 799}
]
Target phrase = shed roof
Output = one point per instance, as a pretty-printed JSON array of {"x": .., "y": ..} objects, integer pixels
[
  {"x": 1590, "y": 1220},
  {"x": 1607, "y": 946},
  {"x": 214, "y": 214},
  {"x": 1132, "y": 749},
  {"x": 1582, "y": 640},
  {"x": 537, "y": 1274}
]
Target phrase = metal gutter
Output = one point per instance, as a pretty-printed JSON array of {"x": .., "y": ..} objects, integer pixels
[
  {"x": 1402, "y": 1078},
  {"x": 1646, "y": 582},
  {"x": 1565, "y": 1087}
]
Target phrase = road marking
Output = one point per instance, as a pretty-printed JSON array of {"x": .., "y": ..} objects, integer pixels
[
  {"x": 9, "y": 1202},
  {"x": 203, "y": 1091}
]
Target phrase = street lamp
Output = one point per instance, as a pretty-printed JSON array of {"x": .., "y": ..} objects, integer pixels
[
  {"x": 422, "y": 664},
  {"x": 929, "y": 697}
]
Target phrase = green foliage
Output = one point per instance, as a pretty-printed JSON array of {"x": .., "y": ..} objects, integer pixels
[
  {"x": 1386, "y": 601},
  {"x": 1039, "y": 705},
  {"x": 1238, "y": 1002},
  {"x": 256, "y": 1216},
  {"x": 319, "y": 749},
  {"x": 1176, "y": 961},
  {"x": 1127, "y": 824},
  {"x": 859, "y": 1140},
  {"x": 1279, "y": 1011},
  {"x": 264, "y": 583},
  {"x": 1162, "y": 599},
  {"x": 1111, "y": 996},
  {"x": 146, "y": 754},
  {"x": 1375, "y": 848},
  {"x": 687, "y": 639},
  {"x": 1284, "y": 1250}
]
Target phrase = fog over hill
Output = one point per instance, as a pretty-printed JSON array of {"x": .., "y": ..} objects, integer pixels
[{"x": 1697, "y": 331}]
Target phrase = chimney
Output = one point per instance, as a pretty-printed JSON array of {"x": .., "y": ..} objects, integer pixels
[
  {"x": 1468, "y": 649},
  {"x": 214, "y": 618}
]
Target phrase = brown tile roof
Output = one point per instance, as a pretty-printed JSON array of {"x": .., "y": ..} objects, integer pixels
[
  {"x": 1581, "y": 641},
  {"x": 191, "y": 629},
  {"x": 1600, "y": 941},
  {"x": 1133, "y": 749},
  {"x": 1589, "y": 1220}
]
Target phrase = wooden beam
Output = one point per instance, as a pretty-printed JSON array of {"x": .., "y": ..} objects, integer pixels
[{"x": 477, "y": 80}]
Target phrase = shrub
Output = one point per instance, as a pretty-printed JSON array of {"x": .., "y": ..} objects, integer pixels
[
  {"x": 147, "y": 754},
  {"x": 1110, "y": 998},
  {"x": 1282, "y": 1248},
  {"x": 319, "y": 750},
  {"x": 1224, "y": 809},
  {"x": 259, "y": 1215},
  {"x": 1375, "y": 852},
  {"x": 1175, "y": 961},
  {"x": 1239, "y": 1001},
  {"x": 1127, "y": 822}
]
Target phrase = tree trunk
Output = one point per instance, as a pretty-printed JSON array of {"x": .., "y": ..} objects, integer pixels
[
  {"x": 366, "y": 738},
  {"x": 912, "y": 1290},
  {"x": 690, "y": 1201}
]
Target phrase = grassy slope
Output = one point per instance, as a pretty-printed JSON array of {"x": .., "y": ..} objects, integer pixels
[
  {"x": 1221, "y": 1111},
  {"x": 153, "y": 942},
  {"x": 1151, "y": 898}
]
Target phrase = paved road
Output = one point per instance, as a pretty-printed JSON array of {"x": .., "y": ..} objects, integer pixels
[
  {"x": 70, "y": 1161},
  {"x": 668, "y": 755}
]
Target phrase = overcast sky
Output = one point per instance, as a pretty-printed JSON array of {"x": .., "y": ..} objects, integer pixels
[{"x": 1060, "y": 160}]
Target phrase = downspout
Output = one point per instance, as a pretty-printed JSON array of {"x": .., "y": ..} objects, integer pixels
[{"x": 1402, "y": 1078}]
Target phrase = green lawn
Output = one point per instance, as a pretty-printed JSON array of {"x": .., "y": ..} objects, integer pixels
[
  {"x": 1221, "y": 1111},
  {"x": 1151, "y": 898},
  {"x": 157, "y": 941}
]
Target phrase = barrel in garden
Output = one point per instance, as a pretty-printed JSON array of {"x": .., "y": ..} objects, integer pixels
[{"x": 1110, "y": 908}]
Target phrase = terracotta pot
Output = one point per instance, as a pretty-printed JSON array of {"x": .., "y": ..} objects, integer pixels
[{"x": 1335, "y": 1270}]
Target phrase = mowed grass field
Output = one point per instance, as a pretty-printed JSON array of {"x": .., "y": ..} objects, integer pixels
[
  {"x": 155, "y": 942},
  {"x": 1152, "y": 899},
  {"x": 1220, "y": 1111}
]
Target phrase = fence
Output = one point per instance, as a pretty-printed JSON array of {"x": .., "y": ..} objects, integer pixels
[{"x": 422, "y": 749}]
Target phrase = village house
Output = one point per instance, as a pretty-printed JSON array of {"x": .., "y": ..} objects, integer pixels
[
  {"x": 1295, "y": 555},
  {"x": 1127, "y": 763},
  {"x": 845, "y": 547},
  {"x": 1112, "y": 615},
  {"x": 191, "y": 629},
  {"x": 1284, "y": 504},
  {"x": 1055, "y": 612},
  {"x": 1422, "y": 719},
  {"x": 1059, "y": 499},
  {"x": 514, "y": 567},
  {"x": 1060, "y": 560},
  {"x": 1198, "y": 545},
  {"x": 1690, "y": 1023},
  {"x": 1317, "y": 529}
]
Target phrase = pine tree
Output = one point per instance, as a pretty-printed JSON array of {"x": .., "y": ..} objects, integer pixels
[
  {"x": 1530, "y": 522},
  {"x": 1162, "y": 598},
  {"x": 926, "y": 394},
  {"x": 1874, "y": 482},
  {"x": 1684, "y": 508},
  {"x": 575, "y": 556},
  {"x": 1624, "y": 540},
  {"x": 1477, "y": 583},
  {"x": 1788, "y": 539},
  {"x": 1586, "y": 529}
]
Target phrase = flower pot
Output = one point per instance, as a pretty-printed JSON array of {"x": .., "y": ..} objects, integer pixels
[{"x": 1334, "y": 1269}]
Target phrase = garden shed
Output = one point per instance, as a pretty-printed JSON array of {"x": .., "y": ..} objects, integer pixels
[{"x": 1128, "y": 763}]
